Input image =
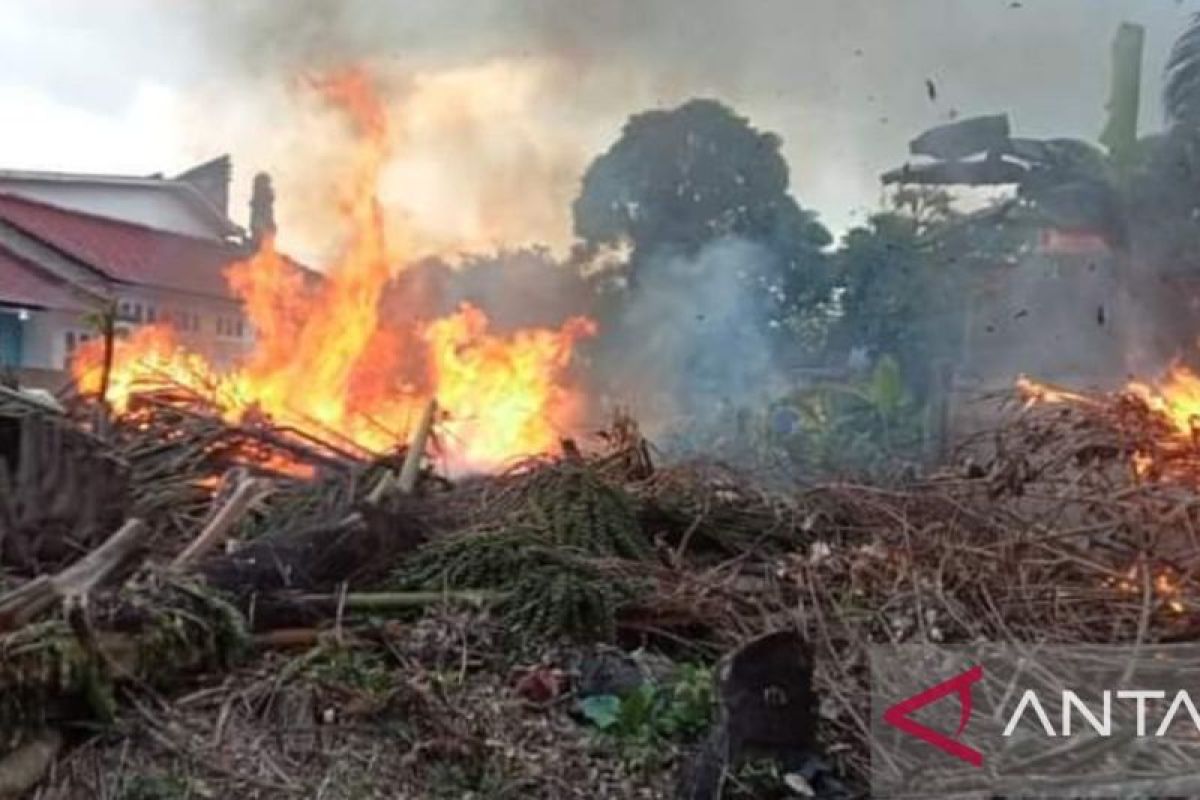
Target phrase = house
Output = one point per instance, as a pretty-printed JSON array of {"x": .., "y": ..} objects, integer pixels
[{"x": 156, "y": 247}]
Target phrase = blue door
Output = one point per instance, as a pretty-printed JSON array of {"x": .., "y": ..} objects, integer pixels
[{"x": 10, "y": 339}]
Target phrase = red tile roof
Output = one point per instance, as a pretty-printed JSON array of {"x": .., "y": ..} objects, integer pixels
[
  {"x": 123, "y": 251},
  {"x": 23, "y": 284}
]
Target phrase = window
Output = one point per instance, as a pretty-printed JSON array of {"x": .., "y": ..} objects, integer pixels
[{"x": 72, "y": 341}]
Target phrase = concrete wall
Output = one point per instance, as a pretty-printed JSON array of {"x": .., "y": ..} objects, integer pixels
[{"x": 144, "y": 205}]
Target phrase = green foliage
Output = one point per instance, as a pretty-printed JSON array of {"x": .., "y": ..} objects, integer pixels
[
  {"x": 550, "y": 590},
  {"x": 643, "y": 723},
  {"x": 365, "y": 670},
  {"x": 488, "y": 559},
  {"x": 577, "y": 508},
  {"x": 559, "y": 594},
  {"x": 176, "y": 626},
  {"x": 868, "y": 427},
  {"x": 157, "y": 787},
  {"x": 680, "y": 179},
  {"x": 690, "y": 704},
  {"x": 907, "y": 278},
  {"x": 545, "y": 556}
]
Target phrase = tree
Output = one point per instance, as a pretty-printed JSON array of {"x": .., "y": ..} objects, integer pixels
[
  {"x": 1164, "y": 179},
  {"x": 904, "y": 279},
  {"x": 678, "y": 180}
]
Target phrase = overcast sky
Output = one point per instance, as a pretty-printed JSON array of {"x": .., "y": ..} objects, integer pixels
[{"x": 499, "y": 104}]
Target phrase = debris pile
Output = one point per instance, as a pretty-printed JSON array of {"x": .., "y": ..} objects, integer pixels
[{"x": 243, "y": 610}]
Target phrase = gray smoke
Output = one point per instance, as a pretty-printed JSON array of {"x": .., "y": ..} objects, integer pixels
[
  {"x": 688, "y": 345},
  {"x": 843, "y": 81}
]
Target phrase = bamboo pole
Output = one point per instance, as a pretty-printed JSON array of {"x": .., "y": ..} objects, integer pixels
[{"x": 416, "y": 449}]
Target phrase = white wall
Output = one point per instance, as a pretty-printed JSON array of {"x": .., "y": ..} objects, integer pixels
[
  {"x": 44, "y": 343},
  {"x": 144, "y": 205},
  {"x": 44, "y": 336}
]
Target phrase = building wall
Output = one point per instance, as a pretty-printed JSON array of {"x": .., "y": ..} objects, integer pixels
[
  {"x": 144, "y": 205},
  {"x": 205, "y": 325},
  {"x": 43, "y": 337}
]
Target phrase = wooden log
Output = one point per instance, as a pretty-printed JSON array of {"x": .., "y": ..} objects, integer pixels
[
  {"x": 358, "y": 549},
  {"x": 96, "y": 568},
  {"x": 248, "y": 492}
]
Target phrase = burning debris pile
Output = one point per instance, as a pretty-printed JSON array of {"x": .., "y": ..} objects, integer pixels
[
  {"x": 325, "y": 362},
  {"x": 243, "y": 605},
  {"x": 378, "y": 558}
]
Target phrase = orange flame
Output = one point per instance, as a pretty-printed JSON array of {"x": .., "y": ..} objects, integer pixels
[
  {"x": 325, "y": 362},
  {"x": 1177, "y": 397}
]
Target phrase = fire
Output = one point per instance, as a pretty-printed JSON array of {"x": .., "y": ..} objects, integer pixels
[
  {"x": 1177, "y": 397},
  {"x": 1164, "y": 584},
  {"x": 1036, "y": 392},
  {"x": 1174, "y": 401},
  {"x": 325, "y": 362}
]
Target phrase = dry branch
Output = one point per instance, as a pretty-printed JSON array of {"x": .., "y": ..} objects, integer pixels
[
  {"x": 97, "y": 567},
  {"x": 248, "y": 492}
]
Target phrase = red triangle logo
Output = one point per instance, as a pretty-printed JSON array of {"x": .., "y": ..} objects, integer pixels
[{"x": 899, "y": 715}]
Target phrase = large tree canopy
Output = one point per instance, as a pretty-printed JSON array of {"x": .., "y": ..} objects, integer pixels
[{"x": 680, "y": 179}]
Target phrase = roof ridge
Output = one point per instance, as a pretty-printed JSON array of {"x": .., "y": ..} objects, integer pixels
[
  {"x": 67, "y": 177},
  {"x": 188, "y": 191}
]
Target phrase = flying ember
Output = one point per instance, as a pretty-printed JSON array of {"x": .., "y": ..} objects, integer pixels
[{"x": 324, "y": 360}]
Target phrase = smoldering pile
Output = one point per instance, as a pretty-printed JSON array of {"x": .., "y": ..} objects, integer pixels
[{"x": 187, "y": 588}]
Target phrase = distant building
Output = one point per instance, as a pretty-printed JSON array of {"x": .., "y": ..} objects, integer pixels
[
  {"x": 1057, "y": 315},
  {"x": 71, "y": 244}
]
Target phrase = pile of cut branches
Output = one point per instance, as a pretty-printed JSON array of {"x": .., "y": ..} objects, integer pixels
[{"x": 1069, "y": 522}]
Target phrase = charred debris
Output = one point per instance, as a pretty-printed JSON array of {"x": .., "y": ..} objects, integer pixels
[{"x": 174, "y": 584}]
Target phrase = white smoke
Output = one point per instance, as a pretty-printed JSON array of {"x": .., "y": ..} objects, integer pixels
[{"x": 689, "y": 343}]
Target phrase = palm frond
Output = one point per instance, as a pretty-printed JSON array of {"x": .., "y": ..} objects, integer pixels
[{"x": 1181, "y": 92}]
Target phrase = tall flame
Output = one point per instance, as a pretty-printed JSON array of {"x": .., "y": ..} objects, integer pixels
[{"x": 325, "y": 362}]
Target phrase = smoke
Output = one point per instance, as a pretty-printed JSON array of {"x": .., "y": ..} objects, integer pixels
[
  {"x": 539, "y": 86},
  {"x": 479, "y": 161},
  {"x": 518, "y": 289},
  {"x": 688, "y": 342}
]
